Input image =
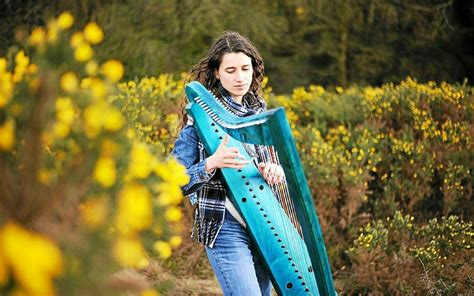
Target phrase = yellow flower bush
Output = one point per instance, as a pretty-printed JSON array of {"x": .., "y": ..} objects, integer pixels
[
  {"x": 152, "y": 106},
  {"x": 369, "y": 152},
  {"x": 398, "y": 240},
  {"x": 80, "y": 194}
]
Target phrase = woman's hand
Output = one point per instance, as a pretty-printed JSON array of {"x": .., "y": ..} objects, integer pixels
[
  {"x": 271, "y": 172},
  {"x": 226, "y": 157}
]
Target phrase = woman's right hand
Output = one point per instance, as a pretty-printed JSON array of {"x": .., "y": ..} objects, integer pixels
[{"x": 226, "y": 157}]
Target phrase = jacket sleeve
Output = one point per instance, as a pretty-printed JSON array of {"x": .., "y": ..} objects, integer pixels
[{"x": 186, "y": 151}]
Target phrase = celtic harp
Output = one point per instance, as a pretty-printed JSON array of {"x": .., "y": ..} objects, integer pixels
[{"x": 281, "y": 218}]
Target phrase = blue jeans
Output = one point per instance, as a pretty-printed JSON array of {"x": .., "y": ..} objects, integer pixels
[{"x": 233, "y": 259}]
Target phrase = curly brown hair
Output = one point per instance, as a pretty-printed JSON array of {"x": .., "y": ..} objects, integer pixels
[{"x": 204, "y": 71}]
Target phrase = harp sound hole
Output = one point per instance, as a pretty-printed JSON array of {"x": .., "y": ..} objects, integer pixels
[
  {"x": 213, "y": 124},
  {"x": 243, "y": 176},
  {"x": 289, "y": 285},
  {"x": 244, "y": 199},
  {"x": 247, "y": 183},
  {"x": 261, "y": 187},
  {"x": 216, "y": 130},
  {"x": 220, "y": 138},
  {"x": 310, "y": 269}
]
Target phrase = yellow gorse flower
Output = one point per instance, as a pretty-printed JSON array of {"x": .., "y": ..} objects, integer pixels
[
  {"x": 65, "y": 110},
  {"x": 21, "y": 66},
  {"x": 163, "y": 249},
  {"x": 93, "y": 33},
  {"x": 83, "y": 52},
  {"x": 134, "y": 209},
  {"x": 129, "y": 252},
  {"x": 7, "y": 134},
  {"x": 65, "y": 20},
  {"x": 52, "y": 32},
  {"x": 91, "y": 67},
  {"x": 34, "y": 259},
  {"x": 173, "y": 214},
  {"x": 113, "y": 70},
  {"x": 3, "y": 65},
  {"x": 105, "y": 171},
  {"x": 61, "y": 130},
  {"x": 169, "y": 194},
  {"x": 141, "y": 161},
  {"x": 175, "y": 241},
  {"x": 172, "y": 172},
  {"x": 37, "y": 36},
  {"x": 97, "y": 87},
  {"x": 69, "y": 81},
  {"x": 112, "y": 119},
  {"x": 6, "y": 86},
  {"x": 77, "y": 39},
  {"x": 93, "y": 120},
  {"x": 101, "y": 115}
]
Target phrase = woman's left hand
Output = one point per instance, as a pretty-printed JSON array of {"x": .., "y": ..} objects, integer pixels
[{"x": 271, "y": 172}]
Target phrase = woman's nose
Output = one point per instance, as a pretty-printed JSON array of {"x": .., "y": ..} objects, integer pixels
[{"x": 239, "y": 76}]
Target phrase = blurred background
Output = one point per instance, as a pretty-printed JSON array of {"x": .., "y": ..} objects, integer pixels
[
  {"x": 302, "y": 42},
  {"x": 378, "y": 94}
]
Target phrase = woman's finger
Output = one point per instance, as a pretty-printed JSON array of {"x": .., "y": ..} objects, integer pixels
[
  {"x": 232, "y": 161},
  {"x": 232, "y": 149}
]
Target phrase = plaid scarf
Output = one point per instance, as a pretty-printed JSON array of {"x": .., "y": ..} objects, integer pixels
[{"x": 210, "y": 211}]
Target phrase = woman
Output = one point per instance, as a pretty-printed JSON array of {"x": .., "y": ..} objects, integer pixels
[{"x": 233, "y": 71}]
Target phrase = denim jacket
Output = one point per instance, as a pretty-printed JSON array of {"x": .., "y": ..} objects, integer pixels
[{"x": 189, "y": 151}]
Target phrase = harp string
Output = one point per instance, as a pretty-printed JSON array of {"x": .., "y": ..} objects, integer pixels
[
  {"x": 282, "y": 196},
  {"x": 281, "y": 191}
]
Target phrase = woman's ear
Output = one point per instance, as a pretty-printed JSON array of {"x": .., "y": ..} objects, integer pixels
[{"x": 216, "y": 74}]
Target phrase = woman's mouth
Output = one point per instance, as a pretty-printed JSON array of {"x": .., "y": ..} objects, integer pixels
[{"x": 240, "y": 86}]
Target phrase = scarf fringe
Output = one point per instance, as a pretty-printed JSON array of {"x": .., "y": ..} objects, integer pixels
[{"x": 205, "y": 230}]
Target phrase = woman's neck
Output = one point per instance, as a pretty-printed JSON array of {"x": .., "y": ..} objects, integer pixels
[{"x": 237, "y": 99}]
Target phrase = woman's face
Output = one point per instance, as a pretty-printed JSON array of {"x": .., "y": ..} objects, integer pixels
[{"x": 235, "y": 73}]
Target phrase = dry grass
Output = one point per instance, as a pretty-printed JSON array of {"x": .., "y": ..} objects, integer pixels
[{"x": 131, "y": 282}]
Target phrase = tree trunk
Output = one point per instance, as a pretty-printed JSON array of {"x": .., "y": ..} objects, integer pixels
[{"x": 342, "y": 60}]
